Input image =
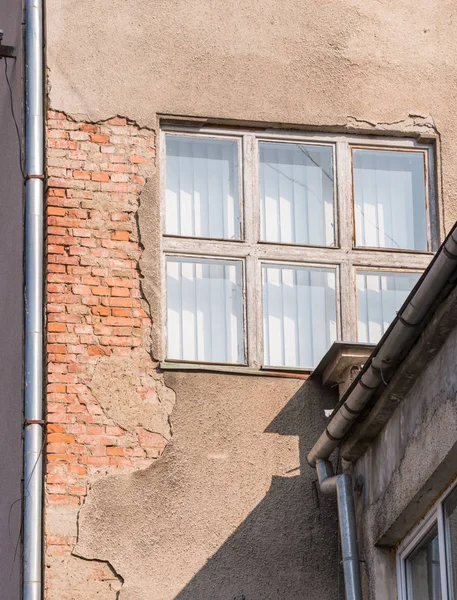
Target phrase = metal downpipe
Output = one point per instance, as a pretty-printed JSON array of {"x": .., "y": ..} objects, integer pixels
[
  {"x": 33, "y": 407},
  {"x": 342, "y": 486}
]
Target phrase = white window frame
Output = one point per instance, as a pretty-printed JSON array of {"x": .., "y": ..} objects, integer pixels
[
  {"x": 435, "y": 517},
  {"x": 344, "y": 255}
]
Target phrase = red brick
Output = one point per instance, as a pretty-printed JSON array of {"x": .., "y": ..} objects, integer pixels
[
  {"x": 81, "y": 175},
  {"x": 101, "y": 311},
  {"x": 100, "y": 176},
  {"x": 88, "y": 128},
  {"x": 117, "y": 291},
  {"x": 114, "y": 451},
  {"x": 59, "y": 212},
  {"x": 96, "y": 351},
  {"x": 101, "y": 139},
  {"x": 117, "y": 121},
  {"x": 121, "y": 236},
  {"x": 57, "y": 348}
]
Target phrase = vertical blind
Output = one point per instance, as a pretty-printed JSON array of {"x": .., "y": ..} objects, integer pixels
[
  {"x": 379, "y": 295},
  {"x": 205, "y": 310},
  {"x": 202, "y": 187},
  {"x": 299, "y": 314},
  {"x": 296, "y": 194},
  {"x": 389, "y": 198}
]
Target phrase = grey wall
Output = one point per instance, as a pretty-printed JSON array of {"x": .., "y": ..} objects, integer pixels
[
  {"x": 413, "y": 458},
  {"x": 11, "y": 294}
]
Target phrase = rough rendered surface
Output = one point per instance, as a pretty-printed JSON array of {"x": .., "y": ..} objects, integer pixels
[
  {"x": 414, "y": 456},
  {"x": 229, "y": 511},
  {"x": 224, "y": 513},
  {"x": 362, "y": 65}
]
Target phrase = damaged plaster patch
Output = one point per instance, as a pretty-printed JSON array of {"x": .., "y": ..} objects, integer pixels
[
  {"x": 84, "y": 577},
  {"x": 421, "y": 125},
  {"x": 132, "y": 394}
]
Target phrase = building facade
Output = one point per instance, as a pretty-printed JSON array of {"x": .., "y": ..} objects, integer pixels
[{"x": 181, "y": 277}]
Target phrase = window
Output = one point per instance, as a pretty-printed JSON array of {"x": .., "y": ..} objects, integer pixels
[
  {"x": 275, "y": 245},
  {"x": 427, "y": 559}
]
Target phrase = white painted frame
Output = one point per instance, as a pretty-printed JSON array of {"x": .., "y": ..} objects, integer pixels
[
  {"x": 435, "y": 516},
  {"x": 345, "y": 256}
]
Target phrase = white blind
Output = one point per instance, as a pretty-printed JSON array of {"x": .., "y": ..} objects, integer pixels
[
  {"x": 299, "y": 314},
  {"x": 202, "y": 197},
  {"x": 389, "y": 197},
  {"x": 379, "y": 296},
  {"x": 205, "y": 310},
  {"x": 296, "y": 194}
]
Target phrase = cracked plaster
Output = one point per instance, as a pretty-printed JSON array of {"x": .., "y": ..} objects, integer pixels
[{"x": 368, "y": 67}]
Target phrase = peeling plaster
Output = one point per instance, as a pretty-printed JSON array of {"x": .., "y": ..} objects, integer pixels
[
  {"x": 131, "y": 393},
  {"x": 417, "y": 125}
]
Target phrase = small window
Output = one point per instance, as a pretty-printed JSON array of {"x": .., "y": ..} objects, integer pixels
[
  {"x": 202, "y": 188},
  {"x": 296, "y": 194},
  {"x": 299, "y": 314},
  {"x": 205, "y": 310},
  {"x": 276, "y": 244},
  {"x": 423, "y": 570},
  {"x": 390, "y": 199},
  {"x": 427, "y": 558}
]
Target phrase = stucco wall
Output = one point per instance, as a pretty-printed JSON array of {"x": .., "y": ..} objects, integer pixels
[
  {"x": 11, "y": 294},
  {"x": 230, "y": 510},
  {"x": 412, "y": 459},
  {"x": 340, "y": 66},
  {"x": 319, "y": 64}
]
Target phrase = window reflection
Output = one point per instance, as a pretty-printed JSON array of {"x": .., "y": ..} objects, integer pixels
[{"x": 423, "y": 570}]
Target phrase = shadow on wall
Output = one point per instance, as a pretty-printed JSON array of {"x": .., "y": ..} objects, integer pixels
[
  {"x": 231, "y": 510},
  {"x": 287, "y": 548}
]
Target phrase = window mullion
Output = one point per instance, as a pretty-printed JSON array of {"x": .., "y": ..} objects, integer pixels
[
  {"x": 345, "y": 228},
  {"x": 252, "y": 284},
  {"x": 348, "y": 302},
  {"x": 345, "y": 221}
]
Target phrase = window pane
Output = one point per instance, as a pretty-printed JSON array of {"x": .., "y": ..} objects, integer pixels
[
  {"x": 202, "y": 187},
  {"x": 296, "y": 194},
  {"x": 423, "y": 571},
  {"x": 389, "y": 197},
  {"x": 205, "y": 310},
  {"x": 450, "y": 508},
  {"x": 299, "y": 314},
  {"x": 379, "y": 296}
]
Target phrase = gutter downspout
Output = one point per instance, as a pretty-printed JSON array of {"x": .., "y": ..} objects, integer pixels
[
  {"x": 342, "y": 485},
  {"x": 378, "y": 370},
  {"x": 33, "y": 404}
]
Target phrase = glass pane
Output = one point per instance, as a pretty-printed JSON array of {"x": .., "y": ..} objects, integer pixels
[
  {"x": 202, "y": 187},
  {"x": 450, "y": 508},
  {"x": 389, "y": 198},
  {"x": 296, "y": 194},
  {"x": 423, "y": 571},
  {"x": 299, "y": 314},
  {"x": 205, "y": 310},
  {"x": 379, "y": 296}
]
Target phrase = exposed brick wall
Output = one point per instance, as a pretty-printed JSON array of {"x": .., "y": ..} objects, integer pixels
[{"x": 94, "y": 309}]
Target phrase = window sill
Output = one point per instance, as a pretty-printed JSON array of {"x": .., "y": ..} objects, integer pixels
[{"x": 287, "y": 372}]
